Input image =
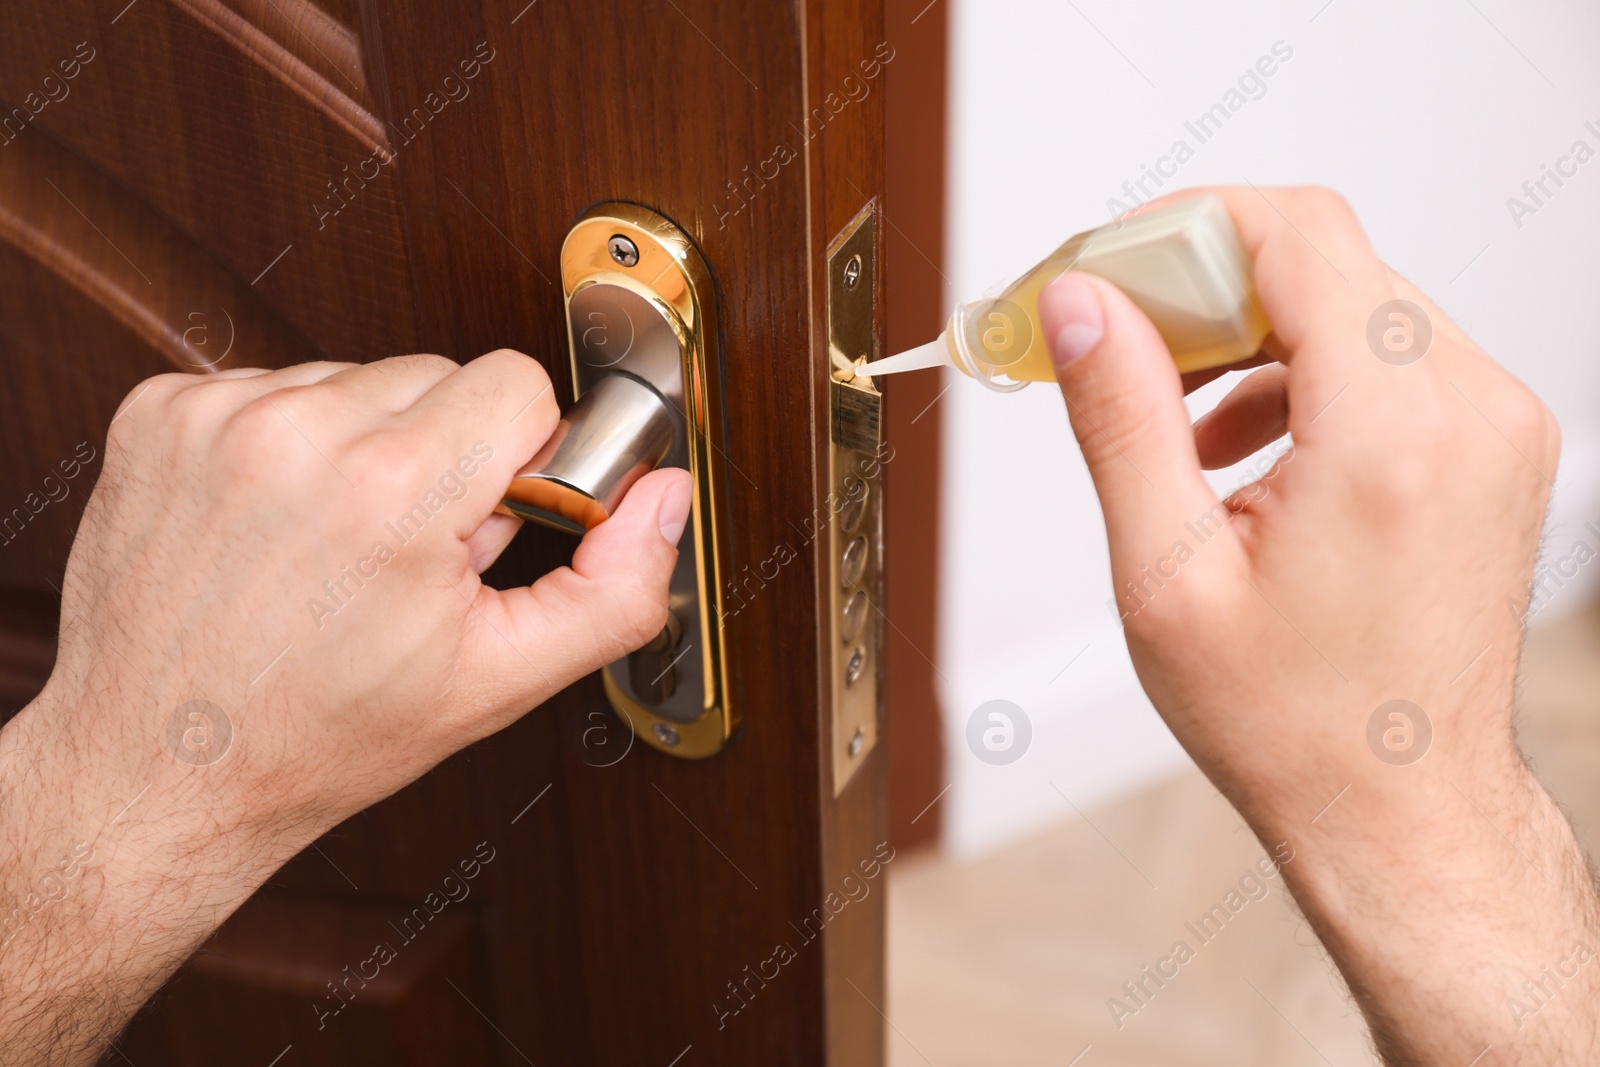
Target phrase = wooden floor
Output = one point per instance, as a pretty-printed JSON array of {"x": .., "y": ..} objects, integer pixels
[{"x": 1012, "y": 959}]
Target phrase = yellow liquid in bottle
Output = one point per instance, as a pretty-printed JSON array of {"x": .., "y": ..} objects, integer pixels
[{"x": 1183, "y": 265}]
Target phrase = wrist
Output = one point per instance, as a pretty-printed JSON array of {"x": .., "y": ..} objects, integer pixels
[
  {"x": 131, "y": 823},
  {"x": 1460, "y": 859},
  {"x": 1389, "y": 773}
]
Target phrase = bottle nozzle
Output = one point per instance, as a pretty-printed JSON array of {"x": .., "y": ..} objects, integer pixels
[{"x": 935, "y": 353}]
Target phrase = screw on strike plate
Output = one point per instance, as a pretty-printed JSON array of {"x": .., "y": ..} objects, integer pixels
[
  {"x": 665, "y": 734},
  {"x": 852, "y": 272},
  {"x": 855, "y": 744},
  {"x": 623, "y": 250}
]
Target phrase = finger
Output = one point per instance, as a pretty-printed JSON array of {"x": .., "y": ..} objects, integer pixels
[
  {"x": 392, "y": 384},
  {"x": 236, "y": 372},
  {"x": 500, "y": 409},
  {"x": 489, "y": 540},
  {"x": 219, "y": 394},
  {"x": 611, "y": 601},
  {"x": 1272, "y": 351},
  {"x": 282, "y": 378},
  {"x": 1197, "y": 378},
  {"x": 1127, "y": 411},
  {"x": 1253, "y": 415}
]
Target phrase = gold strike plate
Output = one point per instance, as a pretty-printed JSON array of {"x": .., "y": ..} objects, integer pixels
[
  {"x": 855, "y": 498},
  {"x": 644, "y": 306}
]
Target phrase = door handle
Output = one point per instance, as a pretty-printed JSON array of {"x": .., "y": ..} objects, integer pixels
[
  {"x": 616, "y": 433},
  {"x": 647, "y": 392}
]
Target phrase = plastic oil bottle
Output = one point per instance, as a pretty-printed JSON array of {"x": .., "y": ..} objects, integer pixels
[{"x": 1182, "y": 264}]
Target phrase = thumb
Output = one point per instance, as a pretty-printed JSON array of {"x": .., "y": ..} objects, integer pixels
[
  {"x": 610, "y": 602},
  {"x": 1125, "y": 401}
]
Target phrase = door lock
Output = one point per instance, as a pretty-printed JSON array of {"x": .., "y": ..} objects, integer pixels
[
  {"x": 647, "y": 386},
  {"x": 856, "y": 455}
]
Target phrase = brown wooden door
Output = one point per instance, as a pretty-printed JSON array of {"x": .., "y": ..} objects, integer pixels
[{"x": 200, "y": 184}]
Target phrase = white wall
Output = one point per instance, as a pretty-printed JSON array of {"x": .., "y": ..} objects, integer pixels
[{"x": 1426, "y": 115}]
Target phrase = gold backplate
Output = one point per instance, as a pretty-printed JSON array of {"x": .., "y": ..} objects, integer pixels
[
  {"x": 671, "y": 275},
  {"x": 852, "y": 628}
]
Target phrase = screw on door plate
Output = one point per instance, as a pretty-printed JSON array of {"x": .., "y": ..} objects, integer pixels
[{"x": 623, "y": 250}]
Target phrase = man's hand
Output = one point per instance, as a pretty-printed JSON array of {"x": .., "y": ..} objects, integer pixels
[
  {"x": 272, "y": 618},
  {"x": 1386, "y": 558}
]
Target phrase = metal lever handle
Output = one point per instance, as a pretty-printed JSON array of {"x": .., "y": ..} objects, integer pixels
[
  {"x": 617, "y": 432},
  {"x": 647, "y": 386}
]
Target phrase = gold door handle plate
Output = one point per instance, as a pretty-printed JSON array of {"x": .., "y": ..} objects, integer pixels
[{"x": 647, "y": 386}]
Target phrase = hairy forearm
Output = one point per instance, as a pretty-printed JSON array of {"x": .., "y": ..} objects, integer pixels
[
  {"x": 1459, "y": 908},
  {"x": 112, "y": 877}
]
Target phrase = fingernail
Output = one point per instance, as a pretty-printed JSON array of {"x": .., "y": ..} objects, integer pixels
[
  {"x": 1071, "y": 310},
  {"x": 674, "y": 513}
]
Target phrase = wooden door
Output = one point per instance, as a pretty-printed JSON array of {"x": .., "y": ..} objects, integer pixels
[{"x": 201, "y": 184}]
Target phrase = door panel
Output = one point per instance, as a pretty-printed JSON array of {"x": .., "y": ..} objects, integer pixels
[
  {"x": 235, "y": 143},
  {"x": 355, "y": 180},
  {"x": 99, "y": 291},
  {"x": 416, "y": 1010}
]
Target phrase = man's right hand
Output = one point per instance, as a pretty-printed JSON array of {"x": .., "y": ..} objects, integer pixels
[{"x": 1336, "y": 644}]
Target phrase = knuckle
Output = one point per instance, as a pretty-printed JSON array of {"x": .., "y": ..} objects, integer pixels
[
  {"x": 149, "y": 395},
  {"x": 260, "y": 423},
  {"x": 1327, "y": 217},
  {"x": 1552, "y": 438},
  {"x": 420, "y": 364},
  {"x": 200, "y": 405},
  {"x": 1325, "y": 205},
  {"x": 1531, "y": 427},
  {"x": 528, "y": 373},
  {"x": 510, "y": 356},
  {"x": 259, "y": 440},
  {"x": 160, "y": 386}
]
